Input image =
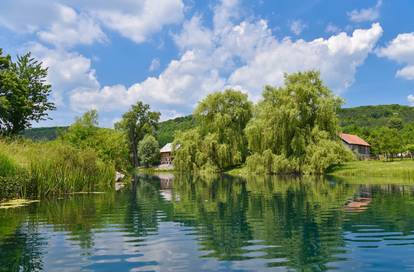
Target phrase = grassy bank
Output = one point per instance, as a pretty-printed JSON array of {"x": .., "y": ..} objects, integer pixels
[
  {"x": 152, "y": 170},
  {"x": 403, "y": 169},
  {"x": 40, "y": 169}
]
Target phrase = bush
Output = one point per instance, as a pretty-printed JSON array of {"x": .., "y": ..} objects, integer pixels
[{"x": 148, "y": 150}]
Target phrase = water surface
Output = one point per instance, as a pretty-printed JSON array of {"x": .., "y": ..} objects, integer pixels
[{"x": 216, "y": 224}]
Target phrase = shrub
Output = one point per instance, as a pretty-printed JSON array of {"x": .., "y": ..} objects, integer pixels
[{"x": 148, "y": 150}]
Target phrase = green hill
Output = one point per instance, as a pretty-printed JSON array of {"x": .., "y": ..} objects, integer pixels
[
  {"x": 167, "y": 129},
  {"x": 43, "y": 133},
  {"x": 352, "y": 120},
  {"x": 376, "y": 116}
]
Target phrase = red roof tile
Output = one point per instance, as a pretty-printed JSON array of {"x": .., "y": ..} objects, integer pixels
[{"x": 353, "y": 139}]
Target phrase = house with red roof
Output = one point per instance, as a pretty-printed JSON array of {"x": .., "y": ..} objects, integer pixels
[{"x": 357, "y": 145}]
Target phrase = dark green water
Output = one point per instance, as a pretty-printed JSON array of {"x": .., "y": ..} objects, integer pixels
[{"x": 216, "y": 224}]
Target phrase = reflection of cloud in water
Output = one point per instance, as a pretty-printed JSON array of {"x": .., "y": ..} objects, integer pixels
[
  {"x": 169, "y": 195},
  {"x": 174, "y": 248}
]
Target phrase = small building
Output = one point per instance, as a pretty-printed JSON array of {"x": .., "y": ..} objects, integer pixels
[
  {"x": 357, "y": 145},
  {"x": 166, "y": 154}
]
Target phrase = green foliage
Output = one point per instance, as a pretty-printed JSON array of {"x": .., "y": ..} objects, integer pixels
[
  {"x": 188, "y": 157},
  {"x": 220, "y": 139},
  {"x": 269, "y": 163},
  {"x": 386, "y": 141},
  {"x": 11, "y": 186},
  {"x": 148, "y": 150},
  {"x": 167, "y": 130},
  {"x": 297, "y": 123},
  {"x": 136, "y": 123},
  {"x": 325, "y": 153},
  {"x": 410, "y": 148},
  {"x": 110, "y": 145},
  {"x": 23, "y": 93},
  {"x": 52, "y": 168},
  {"x": 375, "y": 116}
]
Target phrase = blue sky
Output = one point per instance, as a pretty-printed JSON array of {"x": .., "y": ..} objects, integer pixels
[{"x": 172, "y": 53}]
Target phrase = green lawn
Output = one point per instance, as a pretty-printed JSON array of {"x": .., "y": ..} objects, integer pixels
[{"x": 395, "y": 169}]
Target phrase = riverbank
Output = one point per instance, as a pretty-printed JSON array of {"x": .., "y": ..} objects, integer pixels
[
  {"x": 362, "y": 172},
  {"x": 403, "y": 169},
  {"x": 153, "y": 170}
]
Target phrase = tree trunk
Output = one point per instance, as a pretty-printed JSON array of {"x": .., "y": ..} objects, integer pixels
[
  {"x": 134, "y": 154},
  {"x": 134, "y": 148}
]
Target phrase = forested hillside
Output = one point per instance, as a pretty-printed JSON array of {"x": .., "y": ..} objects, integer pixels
[
  {"x": 167, "y": 129},
  {"x": 376, "y": 116},
  {"x": 43, "y": 133}
]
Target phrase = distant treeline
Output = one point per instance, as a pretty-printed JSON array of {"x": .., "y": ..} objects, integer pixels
[
  {"x": 352, "y": 120},
  {"x": 43, "y": 133}
]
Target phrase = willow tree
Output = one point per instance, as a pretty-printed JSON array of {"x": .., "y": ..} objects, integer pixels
[
  {"x": 222, "y": 118},
  {"x": 294, "y": 125},
  {"x": 219, "y": 141}
]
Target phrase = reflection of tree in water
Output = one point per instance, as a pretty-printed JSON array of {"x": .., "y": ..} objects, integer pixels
[
  {"x": 22, "y": 251},
  {"x": 216, "y": 207},
  {"x": 302, "y": 218},
  {"x": 141, "y": 211},
  {"x": 391, "y": 209}
]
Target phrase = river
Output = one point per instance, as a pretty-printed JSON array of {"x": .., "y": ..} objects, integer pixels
[{"x": 172, "y": 223}]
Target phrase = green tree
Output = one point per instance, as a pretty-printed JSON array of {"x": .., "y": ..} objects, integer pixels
[
  {"x": 83, "y": 129},
  {"x": 24, "y": 93},
  {"x": 291, "y": 122},
  {"x": 386, "y": 141},
  {"x": 136, "y": 123},
  {"x": 407, "y": 133},
  {"x": 222, "y": 118},
  {"x": 219, "y": 141},
  {"x": 148, "y": 150},
  {"x": 395, "y": 123},
  {"x": 188, "y": 157},
  {"x": 109, "y": 144},
  {"x": 410, "y": 148}
]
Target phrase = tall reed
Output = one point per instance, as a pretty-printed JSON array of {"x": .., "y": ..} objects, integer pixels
[{"x": 52, "y": 168}]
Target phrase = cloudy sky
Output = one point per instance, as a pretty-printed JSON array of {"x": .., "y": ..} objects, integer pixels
[{"x": 171, "y": 53}]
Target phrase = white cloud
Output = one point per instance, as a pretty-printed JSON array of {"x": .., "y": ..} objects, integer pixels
[
  {"x": 297, "y": 27},
  {"x": 331, "y": 28},
  {"x": 233, "y": 52},
  {"x": 57, "y": 21},
  {"x": 145, "y": 18},
  {"x": 72, "y": 29},
  {"x": 27, "y": 16},
  {"x": 407, "y": 72},
  {"x": 236, "y": 53},
  {"x": 194, "y": 35},
  {"x": 410, "y": 99},
  {"x": 67, "y": 70},
  {"x": 155, "y": 65},
  {"x": 337, "y": 58},
  {"x": 364, "y": 15},
  {"x": 401, "y": 50}
]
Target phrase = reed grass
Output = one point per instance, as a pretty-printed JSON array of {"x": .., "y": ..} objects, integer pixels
[{"x": 40, "y": 169}]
